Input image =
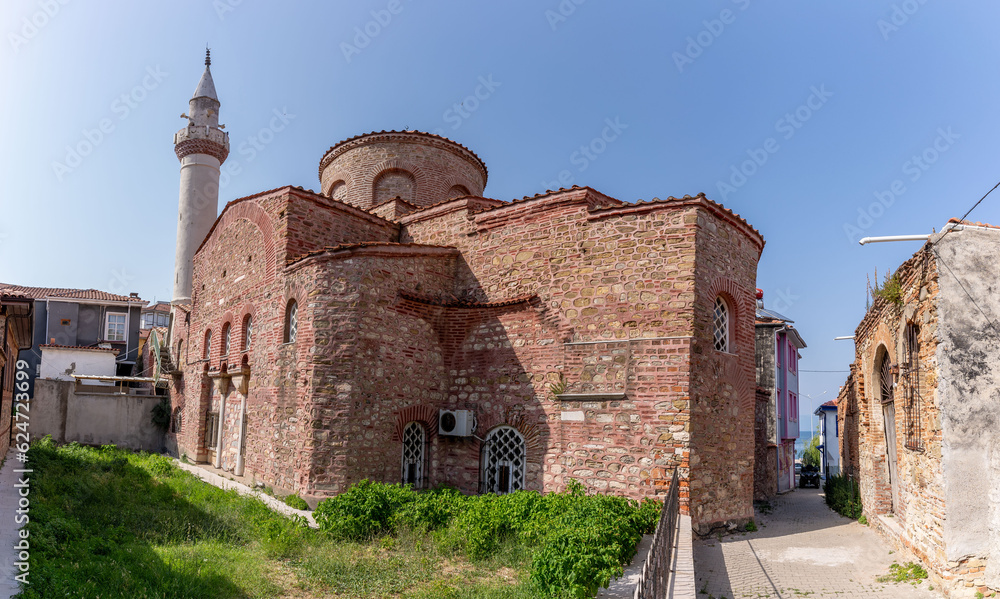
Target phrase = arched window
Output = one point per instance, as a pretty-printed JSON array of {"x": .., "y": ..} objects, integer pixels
[
  {"x": 177, "y": 420},
  {"x": 227, "y": 337},
  {"x": 247, "y": 332},
  {"x": 458, "y": 191},
  {"x": 207, "y": 351},
  {"x": 886, "y": 385},
  {"x": 413, "y": 455},
  {"x": 291, "y": 321},
  {"x": 180, "y": 349},
  {"x": 503, "y": 461},
  {"x": 338, "y": 190},
  {"x": 394, "y": 183},
  {"x": 720, "y": 325}
]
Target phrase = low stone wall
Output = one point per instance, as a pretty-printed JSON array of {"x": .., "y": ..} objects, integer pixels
[
  {"x": 93, "y": 418},
  {"x": 961, "y": 579}
]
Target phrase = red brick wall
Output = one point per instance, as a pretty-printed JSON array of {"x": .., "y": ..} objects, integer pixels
[
  {"x": 570, "y": 289},
  {"x": 435, "y": 164}
]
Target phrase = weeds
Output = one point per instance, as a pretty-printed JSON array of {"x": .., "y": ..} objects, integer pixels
[{"x": 903, "y": 573}]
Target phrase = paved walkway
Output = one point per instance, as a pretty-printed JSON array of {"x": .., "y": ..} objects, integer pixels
[
  {"x": 802, "y": 549},
  {"x": 9, "y": 527}
]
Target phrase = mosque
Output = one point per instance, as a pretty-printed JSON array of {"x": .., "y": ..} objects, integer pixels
[{"x": 401, "y": 326}]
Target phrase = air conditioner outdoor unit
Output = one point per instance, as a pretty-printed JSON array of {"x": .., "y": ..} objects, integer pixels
[{"x": 456, "y": 423}]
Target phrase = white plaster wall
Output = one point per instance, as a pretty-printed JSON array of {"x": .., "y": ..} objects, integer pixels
[
  {"x": 94, "y": 419},
  {"x": 60, "y": 364},
  {"x": 831, "y": 443},
  {"x": 969, "y": 393}
]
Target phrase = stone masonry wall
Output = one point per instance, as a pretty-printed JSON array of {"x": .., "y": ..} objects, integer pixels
[
  {"x": 919, "y": 516},
  {"x": 620, "y": 278}
]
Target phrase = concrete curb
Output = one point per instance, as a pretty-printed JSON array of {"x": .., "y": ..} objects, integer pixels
[
  {"x": 224, "y": 483},
  {"x": 682, "y": 582}
]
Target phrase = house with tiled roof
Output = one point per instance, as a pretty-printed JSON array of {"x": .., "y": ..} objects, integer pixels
[
  {"x": 918, "y": 412},
  {"x": 400, "y": 326},
  {"x": 81, "y": 331}
]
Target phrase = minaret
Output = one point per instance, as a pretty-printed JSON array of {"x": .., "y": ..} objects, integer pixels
[{"x": 201, "y": 147}]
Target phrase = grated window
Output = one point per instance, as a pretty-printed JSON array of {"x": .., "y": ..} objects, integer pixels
[
  {"x": 413, "y": 455},
  {"x": 720, "y": 325},
  {"x": 503, "y": 461}
]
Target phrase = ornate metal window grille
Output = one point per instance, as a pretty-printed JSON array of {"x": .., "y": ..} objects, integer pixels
[
  {"x": 212, "y": 430},
  {"x": 914, "y": 438},
  {"x": 720, "y": 325},
  {"x": 413, "y": 455},
  {"x": 248, "y": 333},
  {"x": 291, "y": 322},
  {"x": 503, "y": 461},
  {"x": 886, "y": 386}
]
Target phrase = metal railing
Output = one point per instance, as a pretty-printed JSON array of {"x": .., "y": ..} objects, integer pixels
[{"x": 656, "y": 569}]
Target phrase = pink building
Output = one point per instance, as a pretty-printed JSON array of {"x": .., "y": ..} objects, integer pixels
[{"x": 777, "y": 357}]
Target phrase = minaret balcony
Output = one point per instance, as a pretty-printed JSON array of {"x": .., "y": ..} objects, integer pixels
[{"x": 202, "y": 132}]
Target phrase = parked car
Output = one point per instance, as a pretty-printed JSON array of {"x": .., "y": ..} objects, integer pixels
[{"x": 809, "y": 477}]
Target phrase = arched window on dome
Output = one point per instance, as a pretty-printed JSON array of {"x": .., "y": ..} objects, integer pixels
[
  {"x": 394, "y": 183},
  {"x": 458, "y": 191},
  {"x": 338, "y": 190}
]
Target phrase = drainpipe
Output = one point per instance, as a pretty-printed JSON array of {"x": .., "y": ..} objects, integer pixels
[{"x": 867, "y": 240}]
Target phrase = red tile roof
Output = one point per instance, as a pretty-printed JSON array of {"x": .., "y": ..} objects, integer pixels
[
  {"x": 830, "y": 404},
  {"x": 84, "y": 294},
  {"x": 972, "y": 224},
  {"x": 328, "y": 156}
]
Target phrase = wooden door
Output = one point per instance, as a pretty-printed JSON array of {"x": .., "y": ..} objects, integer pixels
[{"x": 889, "y": 421}]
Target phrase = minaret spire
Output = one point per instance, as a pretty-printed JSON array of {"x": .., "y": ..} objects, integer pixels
[{"x": 201, "y": 147}]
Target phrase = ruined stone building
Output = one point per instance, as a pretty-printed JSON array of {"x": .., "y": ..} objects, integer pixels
[
  {"x": 400, "y": 326},
  {"x": 919, "y": 411}
]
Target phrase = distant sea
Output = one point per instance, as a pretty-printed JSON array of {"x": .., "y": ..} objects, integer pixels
[{"x": 803, "y": 440}]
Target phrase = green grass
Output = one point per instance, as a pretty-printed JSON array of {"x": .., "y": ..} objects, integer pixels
[{"x": 107, "y": 523}]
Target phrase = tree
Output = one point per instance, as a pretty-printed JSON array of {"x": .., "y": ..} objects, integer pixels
[{"x": 810, "y": 455}]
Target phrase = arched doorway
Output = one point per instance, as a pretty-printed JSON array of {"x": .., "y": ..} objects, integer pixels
[{"x": 885, "y": 373}]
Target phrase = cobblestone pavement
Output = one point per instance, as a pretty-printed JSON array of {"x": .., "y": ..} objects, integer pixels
[{"x": 802, "y": 549}]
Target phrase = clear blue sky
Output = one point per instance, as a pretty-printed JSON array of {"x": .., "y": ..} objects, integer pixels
[{"x": 699, "y": 87}]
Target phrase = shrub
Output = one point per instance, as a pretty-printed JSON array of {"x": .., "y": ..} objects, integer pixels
[
  {"x": 364, "y": 511},
  {"x": 294, "y": 501},
  {"x": 843, "y": 496},
  {"x": 430, "y": 510},
  {"x": 577, "y": 542}
]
